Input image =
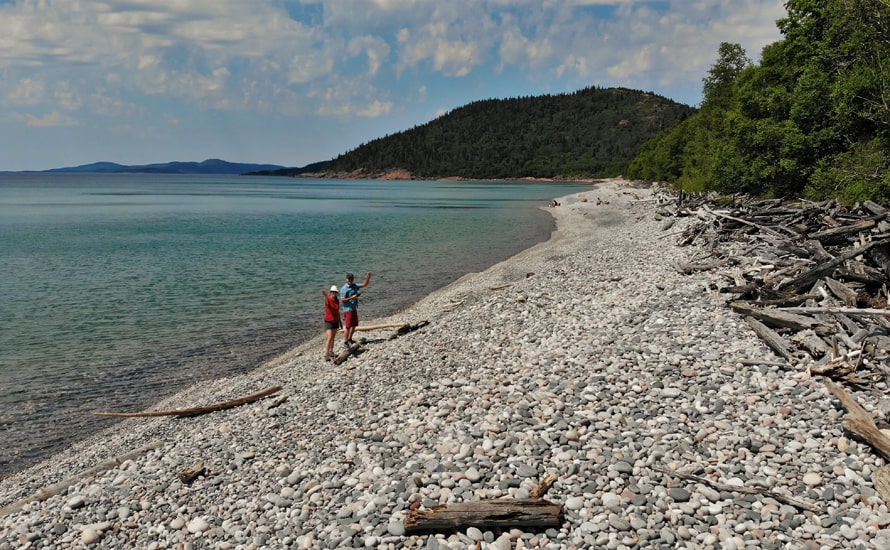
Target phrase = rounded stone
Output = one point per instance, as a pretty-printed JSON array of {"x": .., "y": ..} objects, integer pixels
[
  {"x": 812, "y": 479},
  {"x": 679, "y": 494},
  {"x": 574, "y": 503}
]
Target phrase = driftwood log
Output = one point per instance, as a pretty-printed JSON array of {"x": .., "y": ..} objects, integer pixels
[
  {"x": 199, "y": 410},
  {"x": 344, "y": 355},
  {"x": 859, "y": 422},
  {"x": 491, "y": 514}
]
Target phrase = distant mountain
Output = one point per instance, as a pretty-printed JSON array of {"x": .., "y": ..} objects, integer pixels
[
  {"x": 209, "y": 166},
  {"x": 314, "y": 168},
  {"x": 594, "y": 132}
]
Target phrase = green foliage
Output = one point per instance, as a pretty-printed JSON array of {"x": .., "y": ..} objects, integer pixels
[
  {"x": 813, "y": 118},
  {"x": 590, "y": 133}
]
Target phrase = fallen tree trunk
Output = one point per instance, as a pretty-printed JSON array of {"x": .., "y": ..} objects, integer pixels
[
  {"x": 501, "y": 513},
  {"x": 199, "y": 410}
]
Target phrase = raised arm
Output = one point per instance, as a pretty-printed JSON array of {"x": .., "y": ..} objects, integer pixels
[{"x": 367, "y": 280}]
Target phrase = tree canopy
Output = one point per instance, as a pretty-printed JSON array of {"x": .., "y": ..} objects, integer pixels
[{"x": 812, "y": 119}]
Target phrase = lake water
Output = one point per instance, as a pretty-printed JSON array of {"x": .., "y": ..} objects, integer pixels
[{"x": 119, "y": 290}]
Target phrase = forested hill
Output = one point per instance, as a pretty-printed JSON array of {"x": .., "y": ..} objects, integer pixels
[{"x": 594, "y": 132}]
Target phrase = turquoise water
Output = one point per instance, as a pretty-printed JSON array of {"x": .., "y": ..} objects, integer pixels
[{"x": 118, "y": 290}]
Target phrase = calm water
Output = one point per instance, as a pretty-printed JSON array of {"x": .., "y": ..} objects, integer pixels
[{"x": 116, "y": 291}]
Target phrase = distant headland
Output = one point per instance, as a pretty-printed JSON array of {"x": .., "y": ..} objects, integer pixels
[{"x": 209, "y": 166}]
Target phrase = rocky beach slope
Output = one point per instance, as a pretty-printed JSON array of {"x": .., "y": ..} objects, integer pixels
[{"x": 590, "y": 358}]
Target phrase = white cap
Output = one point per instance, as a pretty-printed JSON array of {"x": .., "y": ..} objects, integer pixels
[{"x": 334, "y": 288}]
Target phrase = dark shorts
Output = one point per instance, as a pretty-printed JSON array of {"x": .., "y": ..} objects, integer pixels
[
  {"x": 331, "y": 325},
  {"x": 350, "y": 319}
]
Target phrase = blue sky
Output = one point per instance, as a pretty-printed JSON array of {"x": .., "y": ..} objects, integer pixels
[{"x": 297, "y": 81}]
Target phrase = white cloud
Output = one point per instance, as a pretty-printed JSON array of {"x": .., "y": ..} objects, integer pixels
[
  {"x": 49, "y": 120},
  {"x": 142, "y": 61},
  {"x": 28, "y": 91}
]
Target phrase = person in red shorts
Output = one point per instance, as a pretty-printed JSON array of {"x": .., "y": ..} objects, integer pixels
[
  {"x": 331, "y": 319},
  {"x": 349, "y": 304}
]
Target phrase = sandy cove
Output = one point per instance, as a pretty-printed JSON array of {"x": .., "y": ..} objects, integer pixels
[{"x": 590, "y": 358}]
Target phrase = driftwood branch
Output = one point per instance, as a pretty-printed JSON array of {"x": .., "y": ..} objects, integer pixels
[
  {"x": 745, "y": 222},
  {"x": 199, "y": 410},
  {"x": 841, "y": 310},
  {"x": 362, "y": 328},
  {"x": 60, "y": 487},
  {"x": 741, "y": 489},
  {"x": 499, "y": 514},
  {"x": 540, "y": 489},
  {"x": 859, "y": 422},
  {"x": 771, "y": 338}
]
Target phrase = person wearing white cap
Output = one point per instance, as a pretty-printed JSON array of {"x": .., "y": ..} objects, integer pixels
[{"x": 331, "y": 319}]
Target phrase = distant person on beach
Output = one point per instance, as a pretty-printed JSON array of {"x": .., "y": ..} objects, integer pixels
[
  {"x": 554, "y": 203},
  {"x": 331, "y": 319},
  {"x": 349, "y": 303}
]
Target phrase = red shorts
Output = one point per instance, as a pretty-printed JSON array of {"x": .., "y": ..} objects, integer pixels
[{"x": 350, "y": 319}]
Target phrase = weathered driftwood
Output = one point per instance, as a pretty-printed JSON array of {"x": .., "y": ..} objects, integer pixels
[
  {"x": 842, "y": 310},
  {"x": 363, "y": 328},
  {"x": 406, "y": 329},
  {"x": 771, "y": 338},
  {"x": 810, "y": 276},
  {"x": 278, "y": 402},
  {"x": 799, "y": 504},
  {"x": 60, "y": 487},
  {"x": 344, "y": 355},
  {"x": 199, "y": 410},
  {"x": 846, "y": 294},
  {"x": 882, "y": 482},
  {"x": 190, "y": 474},
  {"x": 857, "y": 227},
  {"x": 859, "y": 422},
  {"x": 497, "y": 514},
  {"x": 782, "y": 318},
  {"x": 539, "y": 490},
  {"x": 501, "y": 287}
]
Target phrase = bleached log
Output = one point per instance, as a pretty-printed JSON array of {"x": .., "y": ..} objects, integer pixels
[
  {"x": 840, "y": 310},
  {"x": 199, "y": 410},
  {"x": 827, "y": 234},
  {"x": 783, "y": 318}
]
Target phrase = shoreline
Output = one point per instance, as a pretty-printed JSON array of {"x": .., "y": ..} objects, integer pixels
[{"x": 588, "y": 357}]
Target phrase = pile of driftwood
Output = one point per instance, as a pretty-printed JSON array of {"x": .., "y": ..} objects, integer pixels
[{"x": 811, "y": 280}]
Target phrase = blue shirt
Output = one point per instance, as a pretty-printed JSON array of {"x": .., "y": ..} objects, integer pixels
[{"x": 347, "y": 291}]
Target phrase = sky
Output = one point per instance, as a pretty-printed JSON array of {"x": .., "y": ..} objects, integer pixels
[{"x": 292, "y": 82}]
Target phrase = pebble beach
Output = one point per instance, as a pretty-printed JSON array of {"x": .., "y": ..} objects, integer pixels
[{"x": 590, "y": 358}]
